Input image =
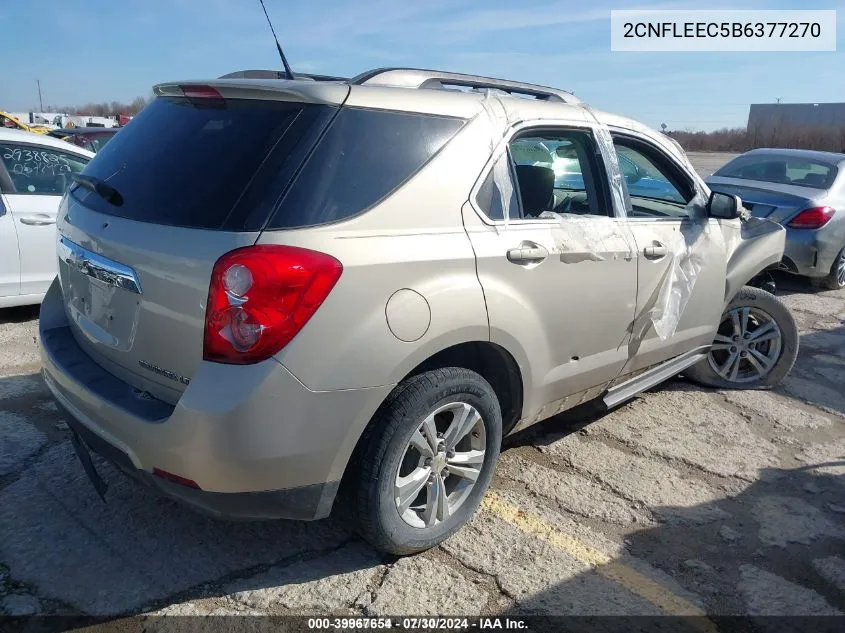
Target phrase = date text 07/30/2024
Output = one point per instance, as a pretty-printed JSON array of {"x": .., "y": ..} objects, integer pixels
[{"x": 432, "y": 623}]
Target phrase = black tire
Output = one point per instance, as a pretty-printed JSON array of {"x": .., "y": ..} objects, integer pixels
[
  {"x": 834, "y": 280},
  {"x": 372, "y": 476},
  {"x": 704, "y": 373}
]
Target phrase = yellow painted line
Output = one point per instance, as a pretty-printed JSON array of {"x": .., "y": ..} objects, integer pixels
[
  {"x": 537, "y": 526},
  {"x": 603, "y": 563}
]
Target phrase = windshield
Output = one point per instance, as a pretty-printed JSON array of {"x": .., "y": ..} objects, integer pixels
[{"x": 780, "y": 169}]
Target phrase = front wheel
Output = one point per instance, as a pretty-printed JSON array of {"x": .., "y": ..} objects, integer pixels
[
  {"x": 426, "y": 460},
  {"x": 755, "y": 347}
]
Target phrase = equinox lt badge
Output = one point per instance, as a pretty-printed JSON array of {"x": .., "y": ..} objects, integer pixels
[{"x": 164, "y": 372}]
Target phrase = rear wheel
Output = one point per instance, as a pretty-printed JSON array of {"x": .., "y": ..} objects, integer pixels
[
  {"x": 425, "y": 462},
  {"x": 836, "y": 278},
  {"x": 755, "y": 346}
]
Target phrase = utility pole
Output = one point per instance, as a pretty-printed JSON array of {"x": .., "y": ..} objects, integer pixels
[{"x": 40, "y": 103}]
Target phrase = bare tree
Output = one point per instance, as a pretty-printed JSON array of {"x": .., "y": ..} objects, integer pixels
[
  {"x": 831, "y": 139},
  {"x": 103, "y": 109},
  {"x": 138, "y": 104}
]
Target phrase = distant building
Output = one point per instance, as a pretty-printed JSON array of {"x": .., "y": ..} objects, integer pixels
[
  {"x": 808, "y": 125},
  {"x": 765, "y": 117}
]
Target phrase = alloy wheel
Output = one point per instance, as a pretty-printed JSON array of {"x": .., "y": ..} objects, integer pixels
[
  {"x": 747, "y": 346},
  {"x": 440, "y": 465}
]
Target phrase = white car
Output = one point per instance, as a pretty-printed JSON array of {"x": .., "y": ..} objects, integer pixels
[{"x": 35, "y": 171}]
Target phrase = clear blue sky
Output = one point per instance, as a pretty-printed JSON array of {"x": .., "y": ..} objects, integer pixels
[{"x": 105, "y": 50}]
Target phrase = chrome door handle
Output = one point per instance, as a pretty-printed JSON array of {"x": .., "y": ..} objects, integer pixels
[
  {"x": 37, "y": 220},
  {"x": 527, "y": 253},
  {"x": 655, "y": 251}
]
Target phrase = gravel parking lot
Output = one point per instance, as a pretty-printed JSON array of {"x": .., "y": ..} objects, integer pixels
[
  {"x": 708, "y": 162},
  {"x": 684, "y": 501}
]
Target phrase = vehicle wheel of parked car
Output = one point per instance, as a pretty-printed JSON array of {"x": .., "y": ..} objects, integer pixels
[
  {"x": 426, "y": 460},
  {"x": 755, "y": 347},
  {"x": 836, "y": 279}
]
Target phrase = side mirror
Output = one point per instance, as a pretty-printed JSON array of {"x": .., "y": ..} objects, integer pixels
[{"x": 724, "y": 206}]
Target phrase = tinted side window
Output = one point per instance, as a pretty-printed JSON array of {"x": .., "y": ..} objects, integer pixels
[
  {"x": 363, "y": 157},
  {"x": 39, "y": 169}
]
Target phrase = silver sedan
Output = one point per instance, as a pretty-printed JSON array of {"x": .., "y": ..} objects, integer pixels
[{"x": 805, "y": 192}]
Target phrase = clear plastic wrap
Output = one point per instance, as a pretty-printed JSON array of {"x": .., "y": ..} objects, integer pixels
[
  {"x": 580, "y": 238},
  {"x": 498, "y": 123},
  {"x": 587, "y": 237},
  {"x": 688, "y": 249},
  {"x": 688, "y": 252},
  {"x": 621, "y": 200},
  {"x": 503, "y": 185}
]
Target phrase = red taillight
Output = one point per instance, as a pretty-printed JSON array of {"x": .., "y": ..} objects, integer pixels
[
  {"x": 813, "y": 218},
  {"x": 261, "y": 297},
  {"x": 200, "y": 92}
]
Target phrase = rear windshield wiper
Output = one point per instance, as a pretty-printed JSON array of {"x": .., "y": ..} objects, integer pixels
[{"x": 105, "y": 191}]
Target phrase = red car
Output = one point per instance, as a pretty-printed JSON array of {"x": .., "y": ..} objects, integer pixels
[{"x": 91, "y": 138}]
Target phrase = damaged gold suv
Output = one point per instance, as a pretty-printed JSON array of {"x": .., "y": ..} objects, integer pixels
[{"x": 312, "y": 290}]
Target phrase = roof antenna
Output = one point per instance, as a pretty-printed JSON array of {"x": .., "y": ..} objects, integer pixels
[{"x": 288, "y": 72}]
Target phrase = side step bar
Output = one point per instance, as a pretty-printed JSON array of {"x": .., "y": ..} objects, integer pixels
[{"x": 630, "y": 388}]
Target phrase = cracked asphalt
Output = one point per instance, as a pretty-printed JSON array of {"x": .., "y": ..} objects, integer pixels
[{"x": 683, "y": 501}]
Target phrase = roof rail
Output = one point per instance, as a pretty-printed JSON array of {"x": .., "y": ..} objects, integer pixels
[
  {"x": 277, "y": 74},
  {"x": 421, "y": 78}
]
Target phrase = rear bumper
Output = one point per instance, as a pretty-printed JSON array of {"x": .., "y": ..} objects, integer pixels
[
  {"x": 257, "y": 442},
  {"x": 303, "y": 503},
  {"x": 809, "y": 253}
]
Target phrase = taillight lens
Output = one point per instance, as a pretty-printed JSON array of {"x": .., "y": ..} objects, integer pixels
[
  {"x": 261, "y": 297},
  {"x": 813, "y": 218}
]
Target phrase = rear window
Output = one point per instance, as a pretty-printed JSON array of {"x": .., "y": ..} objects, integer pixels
[
  {"x": 189, "y": 162},
  {"x": 780, "y": 169},
  {"x": 364, "y": 156}
]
